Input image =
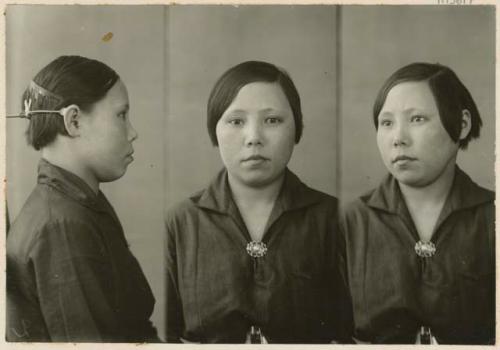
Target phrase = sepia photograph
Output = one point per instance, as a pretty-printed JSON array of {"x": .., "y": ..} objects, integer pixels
[{"x": 250, "y": 174}]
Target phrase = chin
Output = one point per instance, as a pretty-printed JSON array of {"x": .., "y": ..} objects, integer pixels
[
  {"x": 412, "y": 180},
  {"x": 110, "y": 177},
  {"x": 258, "y": 180},
  {"x": 411, "y": 183},
  {"x": 255, "y": 182}
]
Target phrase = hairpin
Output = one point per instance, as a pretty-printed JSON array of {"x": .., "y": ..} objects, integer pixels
[
  {"x": 38, "y": 90},
  {"x": 27, "y": 113}
]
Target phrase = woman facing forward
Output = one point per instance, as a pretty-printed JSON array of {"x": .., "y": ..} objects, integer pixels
[
  {"x": 420, "y": 248},
  {"x": 70, "y": 274},
  {"x": 251, "y": 258}
]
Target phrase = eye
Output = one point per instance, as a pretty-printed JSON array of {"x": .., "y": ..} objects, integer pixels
[
  {"x": 236, "y": 121},
  {"x": 122, "y": 115},
  {"x": 273, "y": 120},
  {"x": 418, "y": 118},
  {"x": 385, "y": 122}
]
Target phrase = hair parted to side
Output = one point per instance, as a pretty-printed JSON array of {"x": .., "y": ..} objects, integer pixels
[
  {"x": 64, "y": 81},
  {"x": 450, "y": 94},
  {"x": 230, "y": 83}
]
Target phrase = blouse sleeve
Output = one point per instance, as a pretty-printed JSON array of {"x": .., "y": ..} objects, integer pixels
[
  {"x": 74, "y": 280},
  {"x": 174, "y": 316}
]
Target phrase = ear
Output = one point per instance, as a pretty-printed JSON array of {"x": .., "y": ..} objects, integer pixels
[
  {"x": 71, "y": 115},
  {"x": 466, "y": 124}
]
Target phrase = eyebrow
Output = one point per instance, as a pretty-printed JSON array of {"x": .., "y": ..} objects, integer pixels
[
  {"x": 237, "y": 111},
  {"x": 272, "y": 110},
  {"x": 407, "y": 110},
  {"x": 415, "y": 110},
  {"x": 265, "y": 110}
]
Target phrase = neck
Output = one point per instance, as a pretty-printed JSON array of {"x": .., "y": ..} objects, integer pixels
[
  {"x": 61, "y": 154},
  {"x": 245, "y": 195},
  {"x": 434, "y": 193}
]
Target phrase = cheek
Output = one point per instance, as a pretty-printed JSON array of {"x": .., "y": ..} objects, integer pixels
[
  {"x": 223, "y": 135},
  {"x": 434, "y": 140},
  {"x": 286, "y": 144},
  {"x": 289, "y": 133},
  {"x": 382, "y": 146},
  {"x": 116, "y": 138},
  {"x": 227, "y": 145},
  {"x": 436, "y": 146},
  {"x": 226, "y": 140},
  {"x": 443, "y": 146}
]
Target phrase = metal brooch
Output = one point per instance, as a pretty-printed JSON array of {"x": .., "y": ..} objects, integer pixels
[
  {"x": 256, "y": 249},
  {"x": 425, "y": 249}
]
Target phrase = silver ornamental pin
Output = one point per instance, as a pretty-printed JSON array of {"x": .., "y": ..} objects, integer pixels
[
  {"x": 425, "y": 249},
  {"x": 256, "y": 249}
]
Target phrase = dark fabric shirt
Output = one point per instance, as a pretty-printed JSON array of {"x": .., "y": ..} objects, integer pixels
[
  {"x": 216, "y": 291},
  {"x": 395, "y": 292},
  {"x": 70, "y": 274}
]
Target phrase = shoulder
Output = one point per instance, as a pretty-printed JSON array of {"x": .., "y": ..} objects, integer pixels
[
  {"x": 300, "y": 196},
  {"x": 317, "y": 206},
  {"x": 488, "y": 205},
  {"x": 468, "y": 192},
  {"x": 182, "y": 211},
  {"x": 322, "y": 198},
  {"x": 46, "y": 208},
  {"x": 468, "y": 197},
  {"x": 59, "y": 239},
  {"x": 488, "y": 195},
  {"x": 357, "y": 217},
  {"x": 484, "y": 201},
  {"x": 184, "y": 207},
  {"x": 320, "y": 195},
  {"x": 48, "y": 204},
  {"x": 357, "y": 207}
]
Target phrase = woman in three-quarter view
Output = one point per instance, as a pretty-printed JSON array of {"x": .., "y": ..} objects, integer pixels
[
  {"x": 70, "y": 274},
  {"x": 251, "y": 258},
  {"x": 420, "y": 249}
]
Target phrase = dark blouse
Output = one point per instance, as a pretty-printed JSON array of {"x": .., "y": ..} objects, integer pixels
[
  {"x": 70, "y": 274},
  {"x": 395, "y": 292},
  {"x": 216, "y": 291}
]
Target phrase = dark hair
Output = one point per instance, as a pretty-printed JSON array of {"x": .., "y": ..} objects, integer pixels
[
  {"x": 230, "y": 83},
  {"x": 450, "y": 95},
  {"x": 64, "y": 81}
]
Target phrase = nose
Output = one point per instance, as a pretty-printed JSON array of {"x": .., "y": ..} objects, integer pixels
[
  {"x": 253, "y": 134},
  {"x": 132, "y": 133},
  {"x": 400, "y": 136}
]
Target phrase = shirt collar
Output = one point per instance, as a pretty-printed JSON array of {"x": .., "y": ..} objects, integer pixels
[
  {"x": 69, "y": 184},
  {"x": 293, "y": 194},
  {"x": 464, "y": 194}
]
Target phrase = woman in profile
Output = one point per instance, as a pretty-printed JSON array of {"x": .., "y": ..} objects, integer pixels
[
  {"x": 251, "y": 258},
  {"x": 420, "y": 249},
  {"x": 70, "y": 274}
]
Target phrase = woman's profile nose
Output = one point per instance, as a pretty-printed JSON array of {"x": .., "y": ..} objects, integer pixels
[{"x": 133, "y": 134}]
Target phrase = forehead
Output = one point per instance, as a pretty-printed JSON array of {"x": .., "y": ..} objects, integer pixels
[
  {"x": 117, "y": 96},
  {"x": 410, "y": 95},
  {"x": 260, "y": 95}
]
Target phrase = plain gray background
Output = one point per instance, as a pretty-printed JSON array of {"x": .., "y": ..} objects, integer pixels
[{"x": 170, "y": 56}]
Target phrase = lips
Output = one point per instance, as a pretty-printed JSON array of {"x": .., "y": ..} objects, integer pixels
[
  {"x": 255, "y": 158},
  {"x": 402, "y": 158}
]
